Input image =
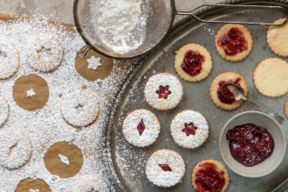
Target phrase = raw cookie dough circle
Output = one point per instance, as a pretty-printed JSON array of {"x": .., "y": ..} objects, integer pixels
[
  {"x": 55, "y": 166},
  {"x": 163, "y": 82},
  {"x": 165, "y": 168},
  {"x": 286, "y": 108},
  {"x": 189, "y": 129},
  {"x": 80, "y": 108},
  {"x": 90, "y": 74},
  {"x": 4, "y": 110},
  {"x": 48, "y": 54},
  {"x": 31, "y": 184},
  {"x": 9, "y": 59},
  {"x": 277, "y": 38},
  {"x": 90, "y": 183},
  {"x": 227, "y": 76},
  {"x": 141, "y": 128},
  {"x": 271, "y": 77},
  {"x": 31, "y": 82},
  {"x": 206, "y": 65},
  {"x": 219, "y": 168},
  {"x": 239, "y": 56},
  {"x": 15, "y": 149}
]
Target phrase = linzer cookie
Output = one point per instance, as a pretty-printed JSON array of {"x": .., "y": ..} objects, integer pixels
[
  {"x": 90, "y": 183},
  {"x": 189, "y": 129},
  {"x": 141, "y": 128},
  {"x": 32, "y": 185},
  {"x": 271, "y": 77},
  {"x": 31, "y": 92},
  {"x": 233, "y": 42},
  {"x": 4, "y": 110},
  {"x": 163, "y": 91},
  {"x": 63, "y": 159},
  {"x": 277, "y": 38},
  {"x": 220, "y": 94},
  {"x": 193, "y": 62},
  {"x": 210, "y": 175},
  {"x": 165, "y": 168}
]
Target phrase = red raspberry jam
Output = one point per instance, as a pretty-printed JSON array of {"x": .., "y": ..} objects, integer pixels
[
  {"x": 163, "y": 92},
  {"x": 209, "y": 179},
  {"x": 250, "y": 144},
  {"x": 165, "y": 167},
  {"x": 223, "y": 92},
  {"x": 141, "y": 127},
  {"x": 233, "y": 42},
  {"x": 192, "y": 63},
  {"x": 189, "y": 129}
]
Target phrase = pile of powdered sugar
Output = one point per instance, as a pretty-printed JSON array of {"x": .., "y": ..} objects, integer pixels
[
  {"x": 46, "y": 126},
  {"x": 119, "y": 24}
]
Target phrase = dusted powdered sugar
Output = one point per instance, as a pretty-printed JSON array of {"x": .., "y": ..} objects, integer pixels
[
  {"x": 94, "y": 62},
  {"x": 90, "y": 183},
  {"x": 4, "y": 110},
  {"x": 161, "y": 178},
  {"x": 119, "y": 24},
  {"x": 191, "y": 141},
  {"x": 150, "y": 133},
  {"x": 15, "y": 149},
  {"x": 163, "y": 79}
]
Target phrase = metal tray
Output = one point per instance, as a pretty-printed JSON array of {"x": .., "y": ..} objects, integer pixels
[{"x": 128, "y": 162}]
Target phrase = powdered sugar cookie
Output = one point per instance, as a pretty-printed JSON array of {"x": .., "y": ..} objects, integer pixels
[
  {"x": 234, "y": 42},
  {"x": 141, "y": 128},
  {"x": 165, "y": 168},
  {"x": 63, "y": 159},
  {"x": 163, "y": 91},
  {"x": 90, "y": 183},
  {"x": 209, "y": 176},
  {"x": 220, "y": 94},
  {"x": 189, "y": 129},
  {"x": 80, "y": 108},
  {"x": 271, "y": 77},
  {"x": 277, "y": 38},
  {"x": 286, "y": 108},
  {"x": 193, "y": 62},
  {"x": 4, "y": 110},
  {"x": 15, "y": 149},
  {"x": 48, "y": 54},
  {"x": 32, "y": 185},
  {"x": 9, "y": 58}
]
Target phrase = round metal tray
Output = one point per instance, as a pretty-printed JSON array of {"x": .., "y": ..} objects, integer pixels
[{"x": 128, "y": 162}]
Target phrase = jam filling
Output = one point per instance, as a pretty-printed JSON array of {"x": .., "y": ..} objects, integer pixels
[
  {"x": 223, "y": 92},
  {"x": 208, "y": 178},
  {"x": 250, "y": 144},
  {"x": 189, "y": 129},
  {"x": 165, "y": 167},
  {"x": 163, "y": 92},
  {"x": 233, "y": 42},
  {"x": 192, "y": 63},
  {"x": 141, "y": 127}
]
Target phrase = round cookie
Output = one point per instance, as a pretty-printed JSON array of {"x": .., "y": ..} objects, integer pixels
[
  {"x": 286, "y": 108},
  {"x": 271, "y": 77},
  {"x": 30, "y": 92},
  {"x": 141, "y": 128},
  {"x": 221, "y": 96},
  {"x": 4, "y": 110},
  {"x": 48, "y": 54},
  {"x": 80, "y": 108},
  {"x": 165, "y": 168},
  {"x": 233, "y": 42},
  {"x": 193, "y": 62},
  {"x": 15, "y": 149},
  {"x": 32, "y": 185},
  {"x": 90, "y": 183},
  {"x": 163, "y": 91},
  {"x": 277, "y": 38},
  {"x": 93, "y": 66},
  {"x": 9, "y": 58},
  {"x": 210, "y": 175},
  {"x": 63, "y": 159},
  {"x": 189, "y": 129}
]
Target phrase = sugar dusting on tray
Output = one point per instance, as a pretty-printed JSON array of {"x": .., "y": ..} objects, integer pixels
[{"x": 119, "y": 24}]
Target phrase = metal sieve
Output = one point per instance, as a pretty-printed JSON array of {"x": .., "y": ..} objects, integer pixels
[{"x": 160, "y": 17}]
